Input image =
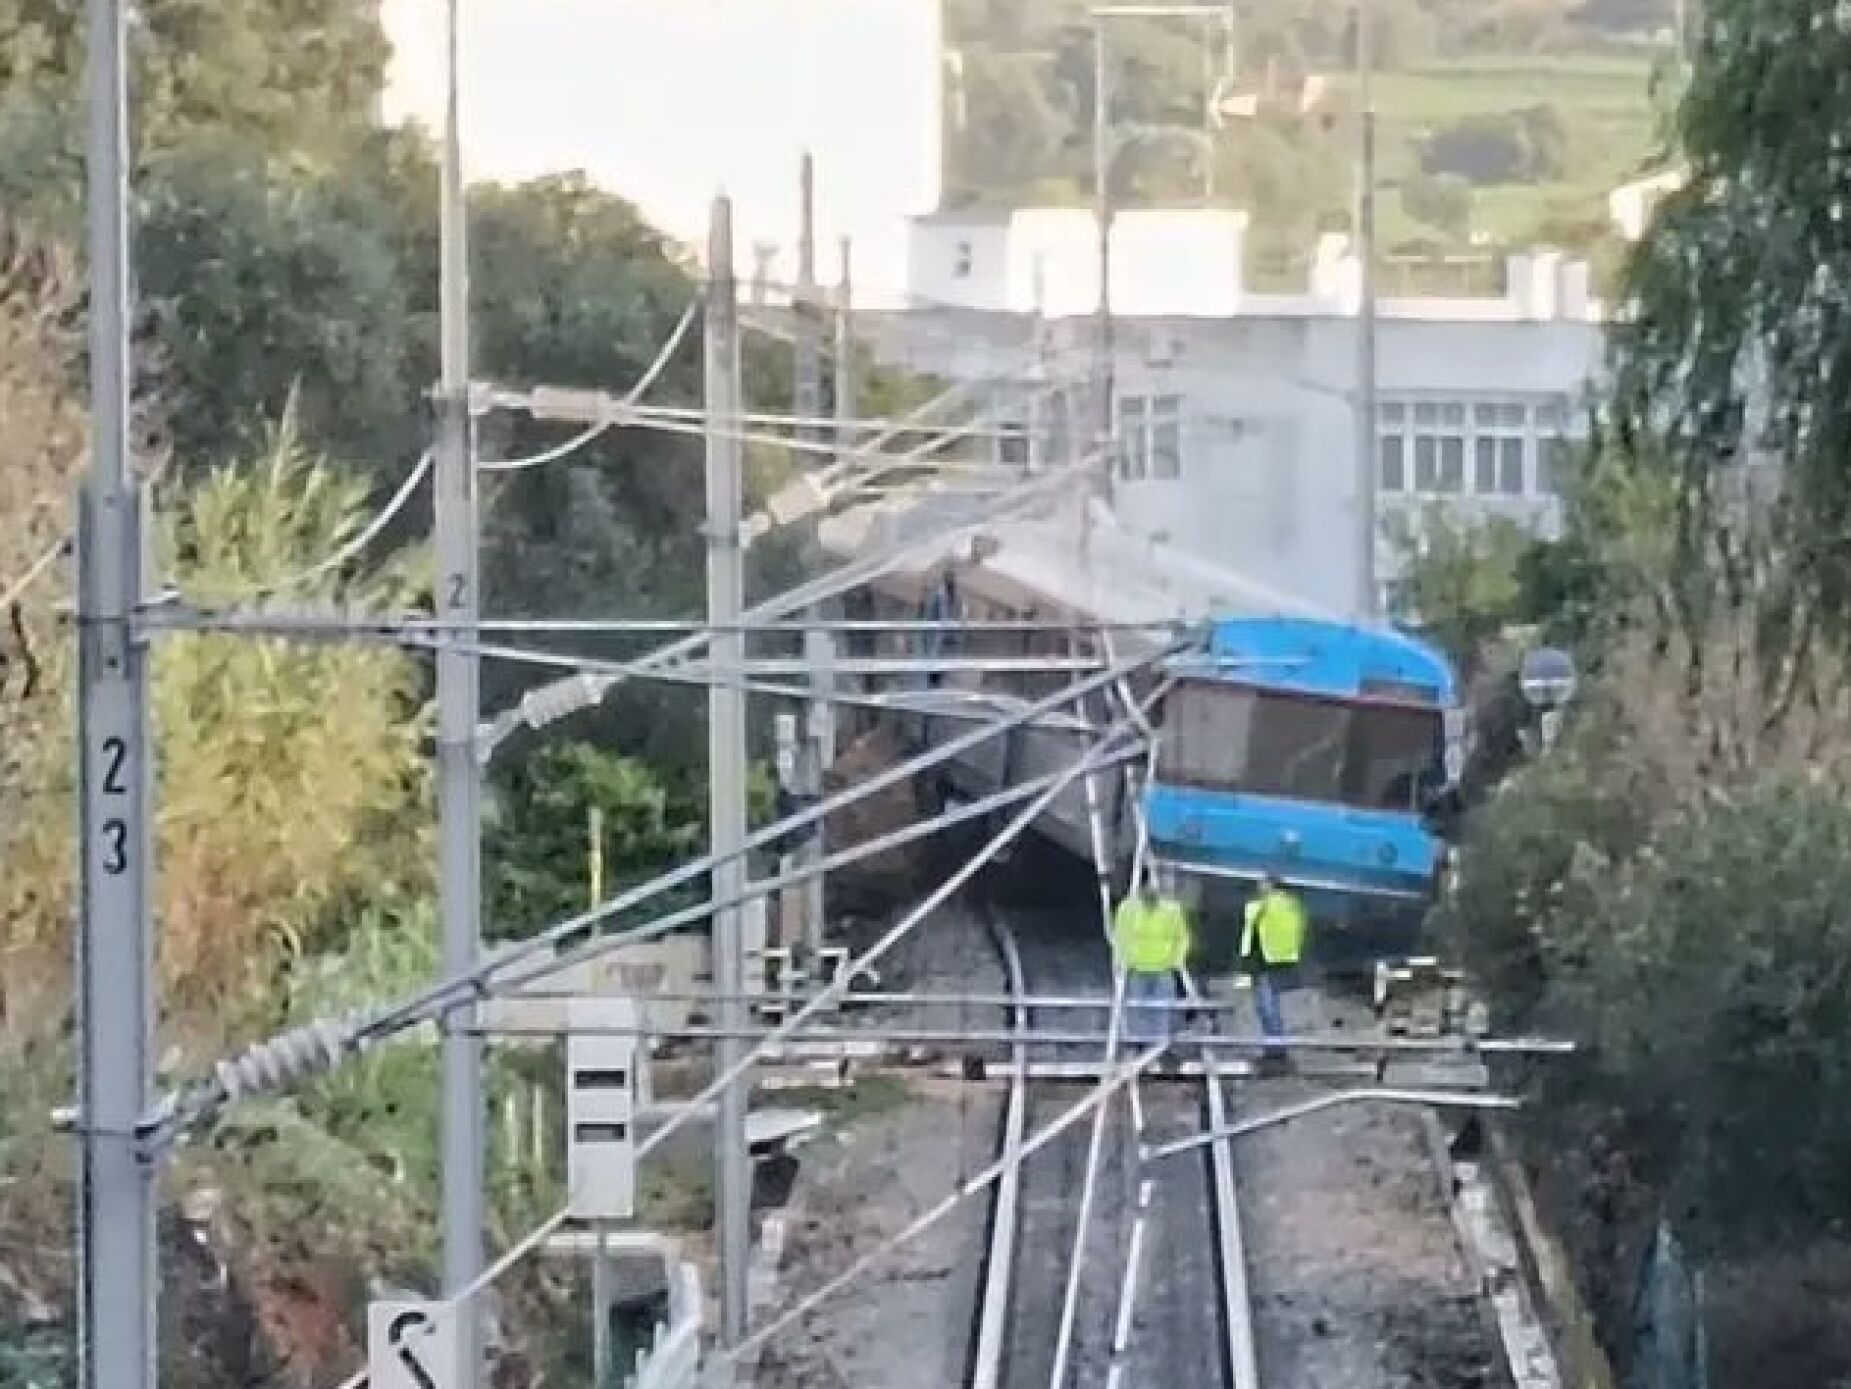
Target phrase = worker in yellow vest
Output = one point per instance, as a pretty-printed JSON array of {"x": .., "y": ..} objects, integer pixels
[
  {"x": 1150, "y": 938},
  {"x": 1272, "y": 944}
]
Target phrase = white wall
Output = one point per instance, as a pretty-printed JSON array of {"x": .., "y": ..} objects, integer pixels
[
  {"x": 668, "y": 101},
  {"x": 1184, "y": 261},
  {"x": 1268, "y": 478},
  {"x": 958, "y": 261}
]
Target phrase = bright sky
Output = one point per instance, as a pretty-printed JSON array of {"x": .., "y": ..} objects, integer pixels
[{"x": 669, "y": 101}]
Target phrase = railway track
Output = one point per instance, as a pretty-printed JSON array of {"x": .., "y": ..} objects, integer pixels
[
  {"x": 1359, "y": 1278},
  {"x": 1322, "y": 1252},
  {"x": 1153, "y": 1302}
]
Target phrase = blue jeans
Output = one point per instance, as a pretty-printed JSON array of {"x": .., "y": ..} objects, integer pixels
[
  {"x": 1144, "y": 1024},
  {"x": 1267, "y": 1002}
]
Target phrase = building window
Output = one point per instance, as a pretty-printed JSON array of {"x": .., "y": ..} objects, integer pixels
[
  {"x": 1434, "y": 434},
  {"x": 962, "y": 260},
  {"x": 1499, "y": 429},
  {"x": 1513, "y": 449},
  {"x": 1150, "y": 432},
  {"x": 1012, "y": 445}
]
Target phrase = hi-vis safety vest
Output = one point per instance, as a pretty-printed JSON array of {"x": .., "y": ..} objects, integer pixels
[
  {"x": 1278, "y": 919},
  {"x": 1151, "y": 939}
]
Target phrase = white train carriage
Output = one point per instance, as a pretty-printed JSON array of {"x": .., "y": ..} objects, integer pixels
[{"x": 1049, "y": 569}]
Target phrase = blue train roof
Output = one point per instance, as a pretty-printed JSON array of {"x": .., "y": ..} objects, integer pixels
[{"x": 1330, "y": 658}]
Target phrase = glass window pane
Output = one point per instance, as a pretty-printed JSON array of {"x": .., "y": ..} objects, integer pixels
[
  {"x": 1426, "y": 464},
  {"x": 1485, "y": 465},
  {"x": 1167, "y": 407},
  {"x": 1453, "y": 415},
  {"x": 1426, "y": 413},
  {"x": 1452, "y": 464},
  {"x": 1510, "y": 467},
  {"x": 1394, "y": 464},
  {"x": 1392, "y": 414},
  {"x": 1134, "y": 444},
  {"x": 1551, "y": 415},
  {"x": 1513, "y": 416},
  {"x": 1297, "y": 748},
  {"x": 1485, "y": 416},
  {"x": 1205, "y": 734},
  {"x": 1166, "y": 447},
  {"x": 1394, "y": 755},
  {"x": 1012, "y": 448}
]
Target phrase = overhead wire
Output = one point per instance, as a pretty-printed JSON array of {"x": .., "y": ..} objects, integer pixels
[
  {"x": 559, "y": 699},
  {"x": 196, "y": 1100},
  {"x": 683, "y": 1112},
  {"x": 627, "y": 402}
]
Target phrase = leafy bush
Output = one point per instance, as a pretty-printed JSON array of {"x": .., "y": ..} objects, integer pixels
[{"x": 1440, "y": 200}]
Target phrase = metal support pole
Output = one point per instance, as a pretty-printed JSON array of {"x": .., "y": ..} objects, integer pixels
[
  {"x": 118, "y": 1341},
  {"x": 458, "y": 786},
  {"x": 601, "y": 1310},
  {"x": 1366, "y": 447},
  {"x": 726, "y": 745},
  {"x": 808, "y": 402},
  {"x": 1102, "y": 213},
  {"x": 847, "y": 381},
  {"x": 807, "y": 358},
  {"x": 788, "y": 756}
]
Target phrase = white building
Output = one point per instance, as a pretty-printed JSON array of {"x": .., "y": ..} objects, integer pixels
[{"x": 1234, "y": 408}]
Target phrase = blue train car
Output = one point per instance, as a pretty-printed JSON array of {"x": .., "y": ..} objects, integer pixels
[{"x": 1312, "y": 750}]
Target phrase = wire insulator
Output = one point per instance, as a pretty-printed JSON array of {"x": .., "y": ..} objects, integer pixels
[{"x": 295, "y": 1055}]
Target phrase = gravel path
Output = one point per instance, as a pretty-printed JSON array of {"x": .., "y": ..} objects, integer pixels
[
  {"x": 1357, "y": 1278},
  {"x": 907, "y": 1323}
]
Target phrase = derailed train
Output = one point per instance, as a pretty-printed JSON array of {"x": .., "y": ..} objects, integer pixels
[{"x": 1287, "y": 742}]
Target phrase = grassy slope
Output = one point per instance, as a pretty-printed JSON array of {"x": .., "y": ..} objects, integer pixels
[{"x": 1603, "y": 102}]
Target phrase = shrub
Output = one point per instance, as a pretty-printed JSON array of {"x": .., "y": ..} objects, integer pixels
[{"x": 1527, "y": 146}]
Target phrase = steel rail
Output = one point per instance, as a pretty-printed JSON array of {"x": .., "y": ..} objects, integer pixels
[
  {"x": 999, "y": 1263},
  {"x": 1236, "y": 1295},
  {"x": 1109, "y": 1085},
  {"x": 1095, "y": 1141}
]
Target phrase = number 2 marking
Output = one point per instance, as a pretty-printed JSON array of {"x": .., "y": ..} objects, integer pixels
[
  {"x": 115, "y": 753},
  {"x": 458, "y": 591}
]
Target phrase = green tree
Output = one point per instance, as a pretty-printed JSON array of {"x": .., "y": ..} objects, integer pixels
[
  {"x": 268, "y": 287},
  {"x": 301, "y": 74},
  {"x": 248, "y": 732},
  {"x": 1736, "y": 351},
  {"x": 538, "y": 845},
  {"x": 1464, "y": 581}
]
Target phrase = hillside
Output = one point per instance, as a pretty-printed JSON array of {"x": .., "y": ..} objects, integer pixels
[{"x": 1502, "y": 122}]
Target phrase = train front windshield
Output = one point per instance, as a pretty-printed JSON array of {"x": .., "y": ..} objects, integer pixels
[{"x": 1373, "y": 756}]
